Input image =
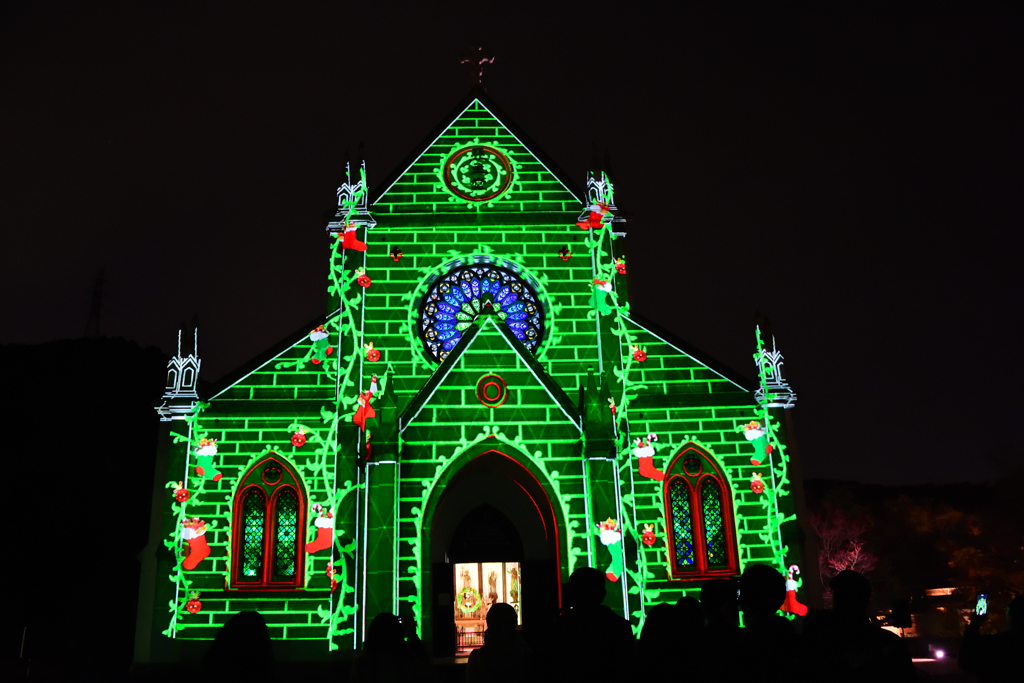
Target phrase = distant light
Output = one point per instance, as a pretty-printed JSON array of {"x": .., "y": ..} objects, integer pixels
[{"x": 939, "y": 654}]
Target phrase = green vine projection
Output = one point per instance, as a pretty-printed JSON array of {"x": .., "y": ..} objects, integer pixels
[{"x": 778, "y": 463}]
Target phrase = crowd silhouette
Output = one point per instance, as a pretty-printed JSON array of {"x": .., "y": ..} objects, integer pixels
[{"x": 691, "y": 639}]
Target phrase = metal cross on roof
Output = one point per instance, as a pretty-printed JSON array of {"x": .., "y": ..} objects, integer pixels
[{"x": 476, "y": 61}]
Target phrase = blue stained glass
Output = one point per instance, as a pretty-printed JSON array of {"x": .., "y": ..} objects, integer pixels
[{"x": 455, "y": 300}]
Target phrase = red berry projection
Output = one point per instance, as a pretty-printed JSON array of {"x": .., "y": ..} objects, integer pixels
[
  {"x": 181, "y": 493},
  {"x": 362, "y": 279},
  {"x": 299, "y": 438},
  {"x": 372, "y": 354},
  {"x": 756, "y": 483},
  {"x": 620, "y": 266},
  {"x": 648, "y": 536},
  {"x": 194, "y": 605},
  {"x": 638, "y": 355}
]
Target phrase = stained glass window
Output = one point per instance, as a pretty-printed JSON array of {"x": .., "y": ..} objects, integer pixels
[
  {"x": 682, "y": 523},
  {"x": 253, "y": 514},
  {"x": 714, "y": 526},
  {"x": 456, "y": 299},
  {"x": 286, "y": 513},
  {"x": 698, "y": 515},
  {"x": 269, "y": 522}
]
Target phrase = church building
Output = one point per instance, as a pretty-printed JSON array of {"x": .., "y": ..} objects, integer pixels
[{"x": 477, "y": 414}]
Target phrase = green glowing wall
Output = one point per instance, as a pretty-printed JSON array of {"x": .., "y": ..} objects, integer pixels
[{"x": 557, "y": 422}]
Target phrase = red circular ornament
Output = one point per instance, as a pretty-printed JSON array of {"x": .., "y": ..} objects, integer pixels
[
  {"x": 620, "y": 267},
  {"x": 298, "y": 439},
  {"x": 193, "y": 606},
  {"x": 373, "y": 355},
  {"x": 181, "y": 495},
  {"x": 757, "y": 485},
  {"x": 639, "y": 355},
  {"x": 491, "y": 391},
  {"x": 363, "y": 281},
  {"x": 649, "y": 538}
]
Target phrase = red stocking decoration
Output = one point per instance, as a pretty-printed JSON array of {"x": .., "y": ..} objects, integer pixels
[
  {"x": 644, "y": 451},
  {"x": 324, "y": 530},
  {"x": 194, "y": 532},
  {"x": 791, "y": 604},
  {"x": 350, "y": 241}
]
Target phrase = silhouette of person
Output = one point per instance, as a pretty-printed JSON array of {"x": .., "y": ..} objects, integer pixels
[
  {"x": 388, "y": 656},
  {"x": 665, "y": 628},
  {"x": 995, "y": 657},
  {"x": 590, "y": 641},
  {"x": 721, "y": 609},
  {"x": 241, "y": 650},
  {"x": 844, "y": 645},
  {"x": 762, "y": 592},
  {"x": 504, "y": 656}
]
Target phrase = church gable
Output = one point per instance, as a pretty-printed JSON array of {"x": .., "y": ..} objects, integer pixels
[
  {"x": 490, "y": 378},
  {"x": 476, "y": 163}
]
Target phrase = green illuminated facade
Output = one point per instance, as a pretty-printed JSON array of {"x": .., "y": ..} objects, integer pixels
[{"x": 478, "y": 349}]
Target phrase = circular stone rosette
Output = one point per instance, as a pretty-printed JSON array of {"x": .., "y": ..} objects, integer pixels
[{"x": 478, "y": 173}]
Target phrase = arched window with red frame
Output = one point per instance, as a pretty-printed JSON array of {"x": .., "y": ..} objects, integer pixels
[
  {"x": 269, "y": 516},
  {"x": 699, "y": 517}
]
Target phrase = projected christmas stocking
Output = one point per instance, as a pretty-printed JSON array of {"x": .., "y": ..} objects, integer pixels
[
  {"x": 321, "y": 347},
  {"x": 756, "y": 436},
  {"x": 194, "y": 533},
  {"x": 350, "y": 241},
  {"x": 610, "y": 538},
  {"x": 599, "y": 297},
  {"x": 791, "y": 604},
  {"x": 324, "y": 531},
  {"x": 644, "y": 451},
  {"x": 204, "y": 460}
]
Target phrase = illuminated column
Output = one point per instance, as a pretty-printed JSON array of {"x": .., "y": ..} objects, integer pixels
[
  {"x": 177, "y": 409},
  {"x": 380, "y": 531},
  {"x": 604, "y": 509}
]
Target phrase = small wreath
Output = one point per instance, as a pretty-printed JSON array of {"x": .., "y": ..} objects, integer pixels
[{"x": 464, "y": 595}]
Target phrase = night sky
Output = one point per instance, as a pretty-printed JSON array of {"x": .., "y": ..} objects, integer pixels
[{"x": 853, "y": 175}]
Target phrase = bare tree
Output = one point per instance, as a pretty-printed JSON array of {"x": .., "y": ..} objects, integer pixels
[{"x": 840, "y": 544}]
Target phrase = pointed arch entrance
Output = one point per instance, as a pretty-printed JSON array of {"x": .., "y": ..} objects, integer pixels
[{"x": 493, "y": 505}]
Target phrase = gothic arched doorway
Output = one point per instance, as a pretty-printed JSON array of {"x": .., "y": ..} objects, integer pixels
[{"x": 495, "y": 521}]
